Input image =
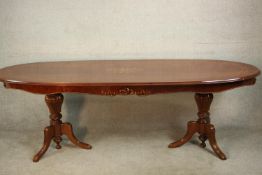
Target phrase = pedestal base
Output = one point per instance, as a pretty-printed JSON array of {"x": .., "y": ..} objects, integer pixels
[
  {"x": 202, "y": 126},
  {"x": 208, "y": 130},
  {"x": 57, "y": 128}
]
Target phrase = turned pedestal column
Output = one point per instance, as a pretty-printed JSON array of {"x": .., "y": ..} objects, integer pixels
[
  {"x": 57, "y": 128},
  {"x": 202, "y": 126}
]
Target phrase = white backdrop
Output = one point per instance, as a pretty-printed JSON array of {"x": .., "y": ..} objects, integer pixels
[{"x": 50, "y": 30}]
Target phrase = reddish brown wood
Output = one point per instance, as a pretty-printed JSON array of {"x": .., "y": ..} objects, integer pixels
[
  {"x": 202, "y": 126},
  {"x": 132, "y": 89},
  {"x": 128, "y": 77},
  {"x": 57, "y": 128},
  {"x": 132, "y": 77}
]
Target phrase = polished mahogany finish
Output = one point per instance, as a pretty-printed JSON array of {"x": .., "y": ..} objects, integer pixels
[
  {"x": 201, "y": 126},
  {"x": 140, "y": 77},
  {"x": 129, "y": 77},
  {"x": 57, "y": 128}
]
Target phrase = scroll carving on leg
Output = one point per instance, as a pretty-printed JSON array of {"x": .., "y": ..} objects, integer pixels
[
  {"x": 57, "y": 128},
  {"x": 202, "y": 126}
]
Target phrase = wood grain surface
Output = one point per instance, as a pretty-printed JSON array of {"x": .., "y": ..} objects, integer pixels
[{"x": 66, "y": 76}]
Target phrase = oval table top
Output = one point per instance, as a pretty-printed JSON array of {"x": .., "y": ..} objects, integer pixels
[{"x": 127, "y": 73}]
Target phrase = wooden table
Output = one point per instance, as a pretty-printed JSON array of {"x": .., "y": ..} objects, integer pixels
[{"x": 136, "y": 77}]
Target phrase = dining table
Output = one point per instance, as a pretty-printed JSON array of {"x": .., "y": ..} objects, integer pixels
[{"x": 202, "y": 77}]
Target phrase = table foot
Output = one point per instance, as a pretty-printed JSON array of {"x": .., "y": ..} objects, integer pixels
[
  {"x": 67, "y": 130},
  {"x": 191, "y": 130},
  {"x": 48, "y": 135},
  {"x": 57, "y": 128},
  {"x": 201, "y": 126},
  {"x": 213, "y": 142}
]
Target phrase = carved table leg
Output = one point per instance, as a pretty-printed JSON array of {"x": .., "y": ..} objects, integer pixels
[
  {"x": 201, "y": 126},
  {"x": 57, "y": 128}
]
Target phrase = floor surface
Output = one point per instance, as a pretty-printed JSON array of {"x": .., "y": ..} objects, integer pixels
[{"x": 137, "y": 152}]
